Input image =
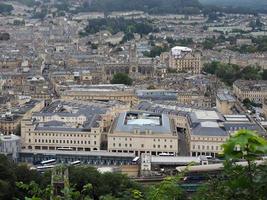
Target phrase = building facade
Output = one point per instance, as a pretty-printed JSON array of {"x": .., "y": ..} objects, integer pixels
[
  {"x": 65, "y": 125},
  {"x": 142, "y": 132},
  {"x": 255, "y": 91},
  {"x": 183, "y": 59},
  {"x": 101, "y": 93}
]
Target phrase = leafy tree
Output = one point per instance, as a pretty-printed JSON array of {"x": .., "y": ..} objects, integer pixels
[
  {"x": 7, "y": 178},
  {"x": 5, "y": 8},
  {"x": 4, "y": 36},
  {"x": 236, "y": 181},
  {"x": 150, "y": 6},
  {"x": 247, "y": 103},
  {"x": 168, "y": 189},
  {"x": 264, "y": 74},
  {"x": 229, "y": 73},
  {"x": 209, "y": 43},
  {"x": 121, "y": 78},
  {"x": 251, "y": 73},
  {"x": 29, "y": 3},
  {"x": 115, "y": 25}
]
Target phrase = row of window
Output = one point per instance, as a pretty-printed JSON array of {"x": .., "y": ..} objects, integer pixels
[
  {"x": 62, "y": 141},
  {"x": 209, "y": 138},
  {"x": 130, "y": 139},
  {"x": 143, "y": 146},
  {"x": 203, "y": 147},
  {"x": 63, "y": 135}
]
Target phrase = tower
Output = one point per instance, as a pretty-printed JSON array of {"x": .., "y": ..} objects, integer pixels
[
  {"x": 59, "y": 181},
  {"x": 133, "y": 60}
]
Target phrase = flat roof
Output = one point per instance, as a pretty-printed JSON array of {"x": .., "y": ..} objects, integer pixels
[
  {"x": 207, "y": 114},
  {"x": 142, "y": 125},
  {"x": 226, "y": 97},
  {"x": 78, "y": 153},
  {"x": 174, "y": 159}
]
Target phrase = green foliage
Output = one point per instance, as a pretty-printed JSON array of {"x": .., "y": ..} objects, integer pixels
[
  {"x": 121, "y": 78},
  {"x": 29, "y": 3},
  {"x": 86, "y": 183},
  {"x": 104, "y": 186},
  {"x": 259, "y": 45},
  {"x": 7, "y": 178},
  {"x": 156, "y": 51},
  {"x": 5, "y": 8},
  {"x": 33, "y": 190},
  {"x": 168, "y": 189},
  {"x": 4, "y": 36},
  {"x": 18, "y": 22},
  {"x": 180, "y": 42},
  {"x": 209, "y": 43},
  {"x": 115, "y": 25},
  {"x": 150, "y": 6},
  {"x": 239, "y": 182},
  {"x": 233, "y": 183},
  {"x": 245, "y": 144},
  {"x": 264, "y": 74},
  {"x": 40, "y": 14},
  {"x": 247, "y": 103},
  {"x": 229, "y": 73}
]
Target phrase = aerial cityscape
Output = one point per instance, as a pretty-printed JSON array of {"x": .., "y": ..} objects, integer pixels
[{"x": 133, "y": 100}]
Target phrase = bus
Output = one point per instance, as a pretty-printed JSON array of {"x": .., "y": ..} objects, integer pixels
[
  {"x": 64, "y": 149},
  {"x": 135, "y": 160},
  {"x": 44, "y": 168},
  {"x": 166, "y": 154},
  {"x": 77, "y": 162},
  {"x": 47, "y": 162}
]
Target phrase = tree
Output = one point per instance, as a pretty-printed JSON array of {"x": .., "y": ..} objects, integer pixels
[
  {"x": 236, "y": 181},
  {"x": 245, "y": 144},
  {"x": 121, "y": 78},
  {"x": 264, "y": 74},
  {"x": 209, "y": 43},
  {"x": 4, "y": 36},
  {"x": 7, "y": 178},
  {"x": 5, "y": 8},
  {"x": 168, "y": 189},
  {"x": 247, "y": 103}
]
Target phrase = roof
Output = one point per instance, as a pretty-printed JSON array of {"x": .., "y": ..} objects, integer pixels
[
  {"x": 144, "y": 121},
  {"x": 78, "y": 153},
  {"x": 174, "y": 160},
  {"x": 209, "y": 129},
  {"x": 11, "y": 137},
  {"x": 157, "y": 94},
  {"x": 224, "y": 96},
  {"x": 89, "y": 112},
  {"x": 176, "y": 51}
]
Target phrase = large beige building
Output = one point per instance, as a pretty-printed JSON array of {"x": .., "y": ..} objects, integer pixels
[
  {"x": 205, "y": 133},
  {"x": 225, "y": 102},
  {"x": 73, "y": 125},
  {"x": 142, "y": 132},
  {"x": 255, "y": 91},
  {"x": 194, "y": 99},
  {"x": 183, "y": 59},
  {"x": 208, "y": 130},
  {"x": 101, "y": 93}
]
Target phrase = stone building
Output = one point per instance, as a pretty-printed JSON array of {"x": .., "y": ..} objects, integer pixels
[
  {"x": 143, "y": 132},
  {"x": 225, "y": 102},
  {"x": 101, "y": 93},
  {"x": 133, "y": 66},
  {"x": 255, "y": 91},
  {"x": 76, "y": 126},
  {"x": 183, "y": 59}
]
